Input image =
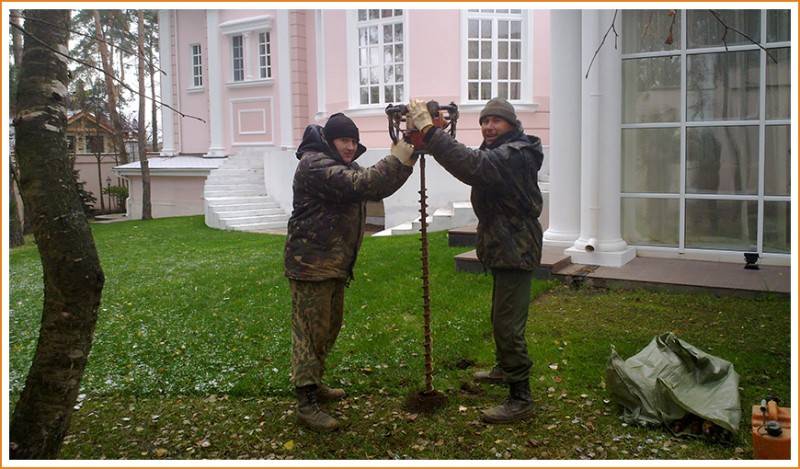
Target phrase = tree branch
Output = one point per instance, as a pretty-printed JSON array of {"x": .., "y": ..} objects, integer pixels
[
  {"x": 731, "y": 28},
  {"x": 92, "y": 36},
  {"x": 616, "y": 36},
  {"x": 112, "y": 77}
]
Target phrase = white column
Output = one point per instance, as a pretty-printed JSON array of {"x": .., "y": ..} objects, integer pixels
[
  {"x": 216, "y": 115},
  {"x": 165, "y": 79},
  {"x": 600, "y": 242},
  {"x": 565, "y": 129},
  {"x": 319, "y": 21},
  {"x": 284, "y": 66}
]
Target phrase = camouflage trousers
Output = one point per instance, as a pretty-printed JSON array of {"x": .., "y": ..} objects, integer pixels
[
  {"x": 317, "y": 312},
  {"x": 511, "y": 297}
]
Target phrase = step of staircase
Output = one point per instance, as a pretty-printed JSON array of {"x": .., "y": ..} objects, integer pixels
[
  {"x": 553, "y": 260},
  {"x": 458, "y": 214},
  {"x": 236, "y": 198}
]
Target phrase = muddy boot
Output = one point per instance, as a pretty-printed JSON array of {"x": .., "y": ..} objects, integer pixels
[
  {"x": 493, "y": 376},
  {"x": 309, "y": 413},
  {"x": 517, "y": 406},
  {"x": 326, "y": 394}
]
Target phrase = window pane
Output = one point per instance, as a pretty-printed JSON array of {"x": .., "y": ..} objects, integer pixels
[
  {"x": 388, "y": 74},
  {"x": 486, "y": 90},
  {"x": 722, "y": 160},
  {"x": 374, "y": 56},
  {"x": 363, "y": 77},
  {"x": 515, "y": 70},
  {"x": 398, "y": 91},
  {"x": 389, "y": 93},
  {"x": 362, "y": 57},
  {"x": 472, "y": 28},
  {"x": 374, "y": 94},
  {"x": 398, "y": 32},
  {"x": 502, "y": 71},
  {"x": 486, "y": 28},
  {"x": 650, "y": 30},
  {"x": 472, "y": 70},
  {"x": 364, "y": 96},
  {"x": 722, "y": 86},
  {"x": 398, "y": 53},
  {"x": 372, "y": 33},
  {"x": 777, "y": 227},
  {"x": 486, "y": 70},
  {"x": 502, "y": 29},
  {"x": 472, "y": 90},
  {"x": 362, "y": 15},
  {"x": 502, "y": 50},
  {"x": 779, "y": 76},
  {"x": 515, "y": 51},
  {"x": 486, "y": 50},
  {"x": 721, "y": 224},
  {"x": 472, "y": 48},
  {"x": 398, "y": 73},
  {"x": 704, "y": 30},
  {"x": 778, "y": 25},
  {"x": 651, "y": 160},
  {"x": 374, "y": 14},
  {"x": 516, "y": 30},
  {"x": 502, "y": 90},
  {"x": 386, "y": 13},
  {"x": 777, "y": 160},
  {"x": 651, "y": 90},
  {"x": 387, "y": 33},
  {"x": 650, "y": 222},
  {"x": 515, "y": 91}
]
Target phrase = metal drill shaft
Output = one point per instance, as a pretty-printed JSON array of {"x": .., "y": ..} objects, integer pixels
[{"x": 426, "y": 298}]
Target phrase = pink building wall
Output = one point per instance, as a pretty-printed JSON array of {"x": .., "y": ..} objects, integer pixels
[
  {"x": 433, "y": 50},
  {"x": 190, "y": 29}
]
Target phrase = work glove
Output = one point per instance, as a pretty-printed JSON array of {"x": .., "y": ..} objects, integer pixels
[
  {"x": 404, "y": 152},
  {"x": 420, "y": 117}
]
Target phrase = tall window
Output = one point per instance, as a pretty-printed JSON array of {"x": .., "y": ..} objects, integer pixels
[
  {"x": 705, "y": 133},
  {"x": 197, "y": 66},
  {"x": 494, "y": 54},
  {"x": 264, "y": 56},
  {"x": 380, "y": 56},
  {"x": 238, "y": 57}
]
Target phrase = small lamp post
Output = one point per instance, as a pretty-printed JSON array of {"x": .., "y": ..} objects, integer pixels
[{"x": 108, "y": 190}]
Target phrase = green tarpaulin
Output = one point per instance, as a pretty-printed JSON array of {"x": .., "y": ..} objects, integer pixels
[{"x": 670, "y": 378}]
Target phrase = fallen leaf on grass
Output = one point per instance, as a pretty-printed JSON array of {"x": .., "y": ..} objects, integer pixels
[
  {"x": 289, "y": 445},
  {"x": 462, "y": 408}
]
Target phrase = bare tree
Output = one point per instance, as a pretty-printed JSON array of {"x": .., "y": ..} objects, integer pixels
[
  {"x": 108, "y": 70},
  {"x": 73, "y": 278},
  {"x": 146, "y": 205}
]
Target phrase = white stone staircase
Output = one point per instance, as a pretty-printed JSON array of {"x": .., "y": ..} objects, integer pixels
[
  {"x": 457, "y": 215},
  {"x": 235, "y": 197}
]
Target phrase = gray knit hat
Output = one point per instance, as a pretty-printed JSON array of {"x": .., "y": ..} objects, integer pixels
[{"x": 501, "y": 108}]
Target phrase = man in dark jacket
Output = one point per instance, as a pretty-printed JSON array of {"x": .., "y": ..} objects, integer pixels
[
  {"x": 507, "y": 201},
  {"x": 324, "y": 235}
]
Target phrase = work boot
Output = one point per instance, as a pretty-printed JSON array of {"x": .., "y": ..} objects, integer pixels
[
  {"x": 309, "y": 413},
  {"x": 493, "y": 376},
  {"x": 328, "y": 394},
  {"x": 517, "y": 406}
]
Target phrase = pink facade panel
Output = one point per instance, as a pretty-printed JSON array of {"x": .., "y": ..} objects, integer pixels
[
  {"x": 252, "y": 121},
  {"x": 192, "y": 100}
]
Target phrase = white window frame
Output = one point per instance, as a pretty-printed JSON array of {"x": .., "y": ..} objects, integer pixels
[
  {"x": 194, "y": 68},
  {"x": 526, "y": 53},
  {"x": 352, "y": 25},
  {"x": 250, "y": 30},
  {"x": 235, "y": 59},
  {"x": 683, "y": 124},
  {"x": 264, "y": 55}
]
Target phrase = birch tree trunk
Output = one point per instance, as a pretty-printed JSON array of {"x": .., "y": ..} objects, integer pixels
[{"x": 73, "y": 278}]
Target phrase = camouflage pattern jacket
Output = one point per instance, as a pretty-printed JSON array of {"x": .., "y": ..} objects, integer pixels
[
  {"x": 329, "y": 215},
  {"x": 505, "y": 194}
]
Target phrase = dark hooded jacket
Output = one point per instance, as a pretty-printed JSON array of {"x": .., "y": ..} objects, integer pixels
[
  {"x": 329, "y": 215},
  {"x": 505, "y": 194}
]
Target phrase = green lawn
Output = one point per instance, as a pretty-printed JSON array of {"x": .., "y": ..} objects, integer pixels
[{"x": 191, "y": 355}]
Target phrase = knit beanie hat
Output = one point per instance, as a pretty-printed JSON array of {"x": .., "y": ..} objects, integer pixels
[
  {"x": 339, "y": 126},
  {"x": 501, "y": 108}
]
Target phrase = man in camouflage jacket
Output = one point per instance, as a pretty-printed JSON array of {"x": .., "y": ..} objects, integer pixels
[
  {"x": 324, "y": 235},
  {"x": 507, "y": 201}
]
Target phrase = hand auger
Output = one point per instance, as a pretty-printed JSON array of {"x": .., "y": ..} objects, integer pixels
[{"x": 445, "y": 118}]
